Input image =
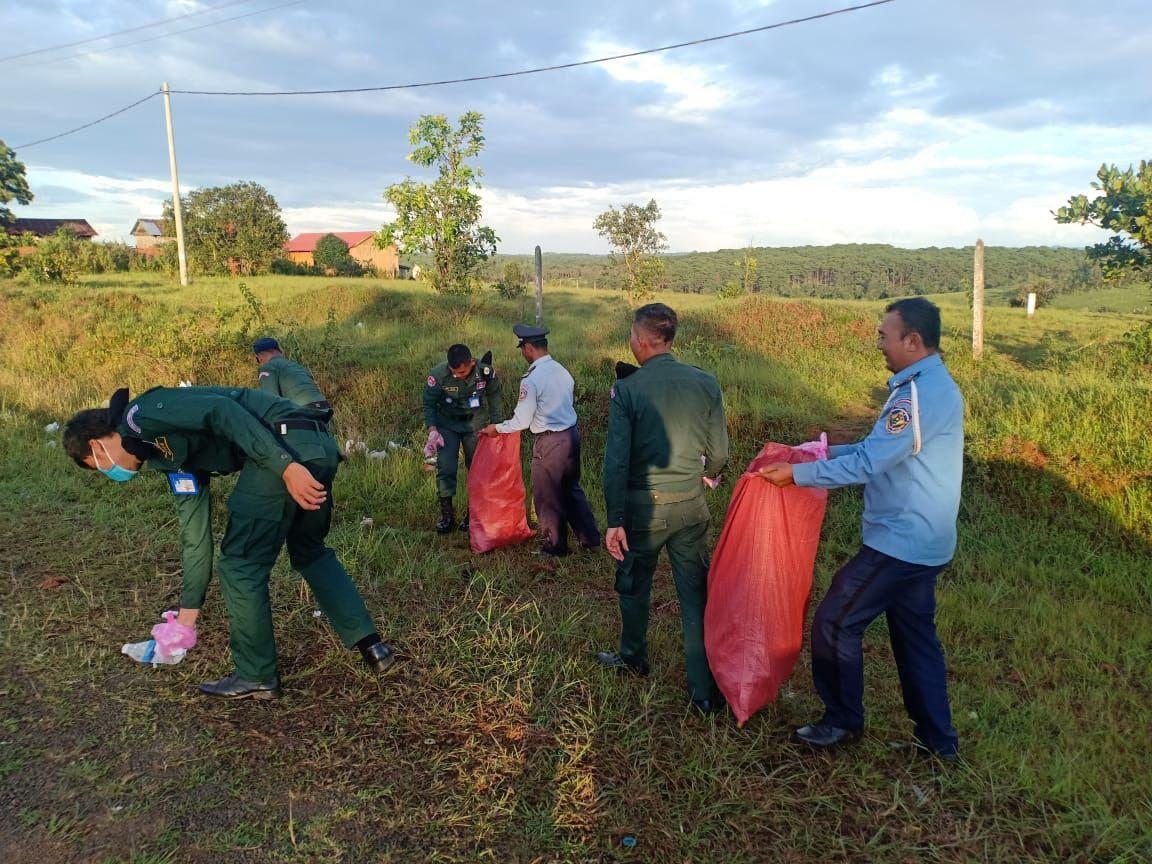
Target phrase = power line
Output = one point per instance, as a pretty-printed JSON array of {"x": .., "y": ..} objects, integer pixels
[
  {"x": 538, "y": 69},
  {"x": 702, "y": 41},
  {"x": 135, "y": 29},
  {"x": 166, "y": 35},
  {"x": 93, "y": 123}
]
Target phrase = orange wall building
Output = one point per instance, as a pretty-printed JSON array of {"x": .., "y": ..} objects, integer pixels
[{"x": 360, "y": 246}]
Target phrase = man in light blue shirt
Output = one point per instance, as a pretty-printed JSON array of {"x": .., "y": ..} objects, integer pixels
[
  {"x": 546, "y": 407},
  {"x": 911, "y": 466}
]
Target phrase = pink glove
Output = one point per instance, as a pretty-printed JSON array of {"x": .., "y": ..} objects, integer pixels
[
  {"x": 818, "y": 448},
  {"x": 171, "y": 636},
  {"x": 435, "y": 442},
  {"x": 711, "y": 482}
]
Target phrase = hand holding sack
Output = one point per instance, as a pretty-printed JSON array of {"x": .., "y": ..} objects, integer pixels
[
  {"x": 496, "y": 511},
  {"x": 760, "y": 581}
]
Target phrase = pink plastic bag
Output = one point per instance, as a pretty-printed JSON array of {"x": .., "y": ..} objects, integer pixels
[
  {"x": 496, "y": 513},
  {"x": 172, "y": 636},
  {"x": 760, "y": 581}
]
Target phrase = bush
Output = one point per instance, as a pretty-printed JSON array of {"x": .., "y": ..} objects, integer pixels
[
  {"x": 1045, "y": 292},
  {"x": 332, "y": 257},
  {"x": 513, "y": 281},
  {"x": 288, "y": 267},
  {"x": 56, "y": 259}
]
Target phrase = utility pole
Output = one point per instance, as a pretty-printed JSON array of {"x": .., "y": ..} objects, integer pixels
[
  {"x": 178, "y": 216},
  {"x": 978, "y": 302},
  {"x": 539, "y": 289}
]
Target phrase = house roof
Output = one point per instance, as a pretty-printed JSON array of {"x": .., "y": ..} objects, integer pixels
[
  {"x": 307, "y": 242},
  {"x": 45, "y": 227},
  {"x": 151, "y": 227}
]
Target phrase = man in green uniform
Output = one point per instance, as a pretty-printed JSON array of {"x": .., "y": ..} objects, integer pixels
[
  {"x": 286, "y": 378},
  {"x": 461, "y": 397},
  {"x": 287, "y": 462},
  {"x": 667, "y": 441}
]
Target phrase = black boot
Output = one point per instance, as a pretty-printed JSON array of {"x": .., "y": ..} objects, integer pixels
[
  {"x": 447, "y": 517},
  {"x": 465, "y": 524}
]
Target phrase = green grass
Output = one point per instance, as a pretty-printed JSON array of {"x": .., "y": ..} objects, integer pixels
[{"x": 497, "y": 739}]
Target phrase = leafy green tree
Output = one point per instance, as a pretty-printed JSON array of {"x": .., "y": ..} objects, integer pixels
[
  {"x": 1125, "y": 209},
  {"x": 635, "y": 242},
  {"x": 1044, "y": 290},
  {"x": 13, "y": 184},
  {"x": 331, "y": 255},
  {"x": 57, "y": 258},
  {"x": 442, "y": 218},
  {"x": 233, "y": 229},
  {"x": 513, "y": 280}
]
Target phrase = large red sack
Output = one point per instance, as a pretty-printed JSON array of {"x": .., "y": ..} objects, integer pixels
[
  {"x": 496, "y": 515},
  {"x": 759, "y": 583}
]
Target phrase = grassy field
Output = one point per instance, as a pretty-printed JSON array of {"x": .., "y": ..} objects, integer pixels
[{"x": 497, "y": 739}]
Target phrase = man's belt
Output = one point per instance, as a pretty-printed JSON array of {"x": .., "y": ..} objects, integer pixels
[
  {"x": 661, "y": 497},
  {"x": 282, "y": 427}
]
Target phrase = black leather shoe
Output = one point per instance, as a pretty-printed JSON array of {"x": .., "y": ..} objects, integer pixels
[
  {"x": 465, "y": 523},
  {"x": 234, "y": 687},
  {"x": 824, "y": 735},
  {"x": 612, "y": 660},
  {"x": 379, "y": 657},
  {"x": 708, "y": 706}
]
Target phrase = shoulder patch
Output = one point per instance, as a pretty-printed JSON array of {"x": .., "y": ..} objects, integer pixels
[
  {"x": 899, "y": 417},
  {"x": 431, "y": 380},
  {"x": 523, "y": 393},
  {"x": 130, "y": 419},
  {"x": 481, "y": 384}
]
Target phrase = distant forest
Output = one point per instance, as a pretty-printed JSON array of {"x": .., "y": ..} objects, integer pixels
[{"x": 859, "y": 271}]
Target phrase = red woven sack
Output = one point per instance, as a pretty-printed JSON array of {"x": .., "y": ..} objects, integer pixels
[
  {"x": 759, "y": 583},
  {"x": 496, "y": 514}
]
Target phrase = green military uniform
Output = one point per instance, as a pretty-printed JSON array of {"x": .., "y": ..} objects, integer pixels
[
  {"x": 208, "y": 431},
  {"x": 662, "y": 419},
  {"x": 458, "y": 407},
  {"x": 289, "y": 380}
]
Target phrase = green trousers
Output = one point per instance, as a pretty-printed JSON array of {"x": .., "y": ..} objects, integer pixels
[
  {"x": 261, "y": 517},
  {"x": 681, "y": 528},
  {"x": 448, "y": 456}
]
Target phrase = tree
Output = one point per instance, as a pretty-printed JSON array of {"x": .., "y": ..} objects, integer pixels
[
  {"x": 1043, "y": 288},
  {"x": 331, "y": 255},
  {"x": 635, "y": 242},
  {"x": 13, "y": 184},
  {"x": 745, "y": 281},
  {"x": 442, "y": 218},
  {"x": 56, "y": 259},
  {"x": 231, "y": 229},
  {"x": 1125, "y": 209},
  {"x": 513, "y": 280}
]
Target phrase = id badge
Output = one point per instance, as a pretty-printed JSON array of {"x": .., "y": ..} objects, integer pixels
[
  {"x": 183, "y": 483},
  {"x": 474, "y": 401}
]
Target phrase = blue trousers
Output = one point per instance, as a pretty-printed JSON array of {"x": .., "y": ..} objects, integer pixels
[{"x": 870, "y": 585}]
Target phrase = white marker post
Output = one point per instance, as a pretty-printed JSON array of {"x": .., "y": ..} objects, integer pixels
[{"x": 1031, "y": 303}]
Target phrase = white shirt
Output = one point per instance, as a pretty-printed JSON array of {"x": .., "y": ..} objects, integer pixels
[{"x": 545, "y": 403}]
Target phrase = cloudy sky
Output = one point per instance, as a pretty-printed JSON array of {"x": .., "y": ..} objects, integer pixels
[{"x": 917, "y": 123}]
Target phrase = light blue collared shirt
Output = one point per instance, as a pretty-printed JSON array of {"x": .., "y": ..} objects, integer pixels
[
  {"x": 911, "y": 465},
  {"x": 545, "y": 401}
]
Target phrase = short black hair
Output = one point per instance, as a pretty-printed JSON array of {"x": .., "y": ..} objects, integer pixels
[
  {"x": 542, "y": 342},
  {"x": 921, "y": 316},
  {"x": 657, "y": 319},
  {"x": 458, "y": 355},
  {"x": 82, "y": 428}
]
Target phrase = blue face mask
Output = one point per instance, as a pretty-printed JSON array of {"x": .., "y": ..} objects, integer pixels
[{"x": 116, "y": 472}]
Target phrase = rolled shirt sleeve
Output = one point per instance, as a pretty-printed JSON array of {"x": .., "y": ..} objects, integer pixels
[{"x": 887, "y": 445}]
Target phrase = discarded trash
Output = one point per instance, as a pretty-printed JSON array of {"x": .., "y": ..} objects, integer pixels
[
  {"x": 184, "y": 384},
  {"x": 52, "y": 427},
  {"x": 351, "y": 447},
  {"x": 53, "y": 443},
  {"x": 628, "y": 842},
  {"x": 360, "y": 324},
  {"x": 396, "y": 445},
  {"x": 367, "y": 522},
  {"x": 317, "y": 613},
  {"x": 145, "y": 652},
  {"x": 921, "y": 795},
  {"x": 378, "y": 454}
]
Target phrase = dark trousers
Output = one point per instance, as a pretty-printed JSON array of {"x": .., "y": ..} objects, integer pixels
[
  {"x": 261, "y": 518},
  {"x": 556, "y": 491},
  {"x": 682, "y": 529},
  {"x": 448, "y": 457},
  {"x": 870, "y": 585}
]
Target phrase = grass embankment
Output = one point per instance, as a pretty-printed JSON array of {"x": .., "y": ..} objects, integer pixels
[{"x": 497, "y": 739}]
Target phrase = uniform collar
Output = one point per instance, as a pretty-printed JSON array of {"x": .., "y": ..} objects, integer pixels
[
  {"x": 535, "y": 363},
  {"x": 908, "y": 373},
  {"x": 659, "y": 358}
]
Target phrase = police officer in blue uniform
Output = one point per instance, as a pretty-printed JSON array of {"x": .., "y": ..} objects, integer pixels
[{"x": 911, "y": 466}]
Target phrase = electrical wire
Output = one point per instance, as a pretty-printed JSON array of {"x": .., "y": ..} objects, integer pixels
[
  {"x": 705, "y": 40},
  {"x": 165, "y": 35},
  {"x": 115, "y": 33},
  {"x": 538, "y": 69}
]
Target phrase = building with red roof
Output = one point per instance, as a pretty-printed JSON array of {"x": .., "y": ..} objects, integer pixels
[{"x": 361, "y": 247}]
